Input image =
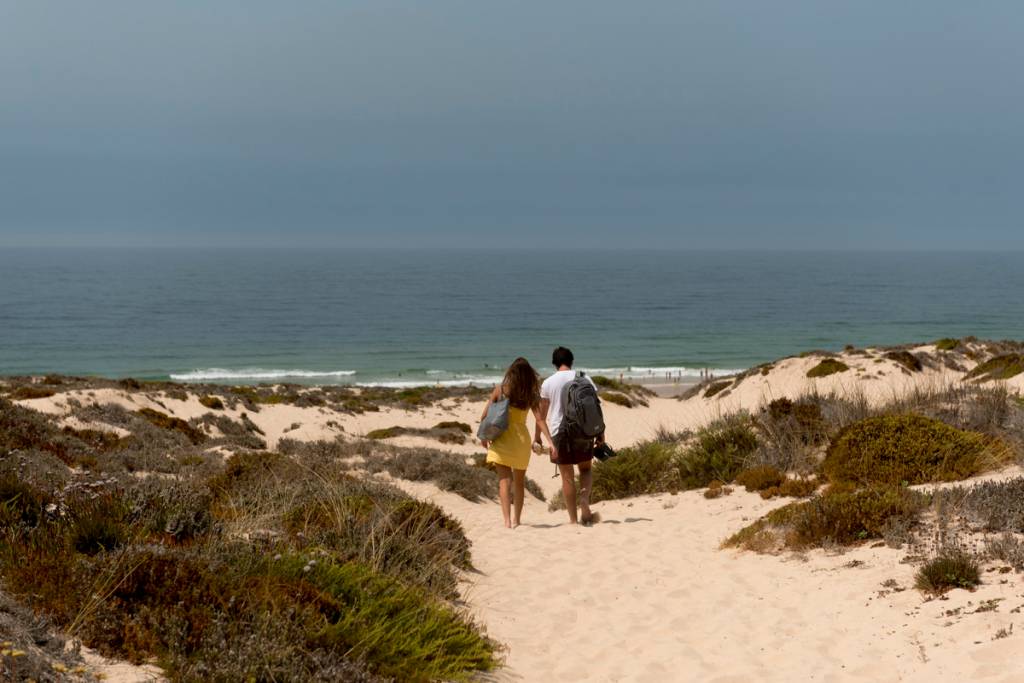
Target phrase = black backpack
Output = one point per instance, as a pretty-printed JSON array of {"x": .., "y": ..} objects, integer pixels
[{"x": 582, "y": 408}]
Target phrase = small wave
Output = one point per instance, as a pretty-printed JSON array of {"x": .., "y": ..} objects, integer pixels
[
  {"x": 256, "y": 373},
  {"x": 408, "y": 384},
  {"x": 639, "y": 372}
]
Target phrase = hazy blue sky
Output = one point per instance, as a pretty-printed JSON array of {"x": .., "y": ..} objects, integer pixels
[{"x": 706, "y": 124}]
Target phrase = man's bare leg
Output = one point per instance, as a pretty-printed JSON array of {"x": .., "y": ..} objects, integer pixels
[
  {"x": 518, "y": 486},
  {"x": 586, "y": 481},
  {"x": 569, "y": 490},
  {"x": 505, "y": 492}
]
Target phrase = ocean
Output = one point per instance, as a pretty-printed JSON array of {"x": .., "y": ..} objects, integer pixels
[{"x": 404, "y": 317}]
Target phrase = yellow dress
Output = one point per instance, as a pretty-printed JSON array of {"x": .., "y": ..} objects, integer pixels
[{"x": 512, "y": 448}]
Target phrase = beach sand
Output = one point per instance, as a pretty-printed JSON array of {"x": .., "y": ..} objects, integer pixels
[{"x": 648, "y": 595}]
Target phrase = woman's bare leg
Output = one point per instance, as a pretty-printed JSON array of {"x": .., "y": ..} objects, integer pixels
[
  {"x": 518, "y": 486},
  {"x": 504, "y": 492}
]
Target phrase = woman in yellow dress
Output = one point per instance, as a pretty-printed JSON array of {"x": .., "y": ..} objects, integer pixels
[{"x": 510, "y": 452}]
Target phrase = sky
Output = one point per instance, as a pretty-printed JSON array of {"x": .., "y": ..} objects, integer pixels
[{"x": 597, "y": 124}]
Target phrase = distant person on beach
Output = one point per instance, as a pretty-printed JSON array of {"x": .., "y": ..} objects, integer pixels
[
  {"x": 569, "y": 452},
  {"x": 510, "y": 452}
]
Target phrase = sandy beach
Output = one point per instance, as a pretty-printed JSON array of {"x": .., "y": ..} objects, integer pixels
[{"x": 648, "y": 594}]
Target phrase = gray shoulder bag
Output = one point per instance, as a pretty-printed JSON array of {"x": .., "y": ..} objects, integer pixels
[{"x": 495, "y": 422}]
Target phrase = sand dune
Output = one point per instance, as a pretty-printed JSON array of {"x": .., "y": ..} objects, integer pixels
[{"x": 648, "y": 595}]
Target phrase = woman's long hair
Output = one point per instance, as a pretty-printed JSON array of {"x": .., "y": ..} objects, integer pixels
[{"x": 521, "y": 384}]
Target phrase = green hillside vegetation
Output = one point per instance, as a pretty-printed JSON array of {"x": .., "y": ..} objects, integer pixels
[
  {"x": 1000, "y": 367},
  {"x": 290, "y": 562},
  {"x": 907, "y": 449},
  {"x": 828, "y": 366}
]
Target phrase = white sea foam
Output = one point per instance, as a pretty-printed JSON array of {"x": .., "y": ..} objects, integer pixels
[
  {"x": 256, "y": 373},
  {"x": 640, "y": 372},
  {"x": 408, "y": 384}
]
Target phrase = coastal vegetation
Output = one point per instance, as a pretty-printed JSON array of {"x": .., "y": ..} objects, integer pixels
[
  {"x": 290, "y": 560},
  {"x": 445, "y": 432},
  {"x": 1000, "y": 367},
  {"x": 952, "y": 569},
  {"x": 908, "y": 449},
  {"x": 675, "y": 462},
  {"x": 826, "y": 367},
  {"x": 624, "y": 394}
]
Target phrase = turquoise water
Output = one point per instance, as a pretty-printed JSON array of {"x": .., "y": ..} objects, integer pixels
[{"x": 454, "y": 316}]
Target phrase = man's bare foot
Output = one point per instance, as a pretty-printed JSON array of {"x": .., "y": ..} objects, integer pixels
[{"x": 590, "y": 518}]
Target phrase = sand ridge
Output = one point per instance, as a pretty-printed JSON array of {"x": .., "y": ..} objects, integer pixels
[{"x": 648, "y": 595}]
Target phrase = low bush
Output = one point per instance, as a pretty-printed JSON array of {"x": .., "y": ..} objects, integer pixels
[
  {"x": 838, "y": 515},
  {"x": 176, "y": 424},
  {"x": 452, "y": 434},
  {"x": 212, "y": 402},
  {"x": 894, "y": 449},
  {"x": 760, "y": 478},
  {"x": 828, "y": 366},
  {"x": 616, "y": 398},
  {"x": 719, "y": 451},
  {"x": 716, "y": 388},
  {"x": 385, "y": 433},
  {"x": 642, "y": 469},
  {"x": 26, "y": 392},
  {"x": 792, "y": 488},
  {"x": 717, "y": 489},
  {"x": 454, "y": 425},
  {"x": 1007, "y": 548},
  {"x": 951, "y": 569},
  {"x": 1000, "y": 367},
  {"x": 716, "y": 452},
  {"x": 993, "y": 505},
  {"x": 947, "y": 344},
  {"x": 340, "y": 579},
  {"x": 904, "y": 358}
]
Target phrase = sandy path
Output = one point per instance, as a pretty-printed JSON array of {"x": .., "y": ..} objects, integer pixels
[{"x": 647, "y": 596}]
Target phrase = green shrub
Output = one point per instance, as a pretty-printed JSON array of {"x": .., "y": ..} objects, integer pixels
[
  {"x": 457, "y": 426},
  {"x": 717, "y": 489},
  {"x": 905, "y": 359},
  {"x": 951, "y": 569},
  {"x": 175, "y": 424},
  {"x": 20, "y": 503},
  {"x": 838, "y": 515},
  {"x": 792, "y": 488},
  {"x": 893, "y": 449},
  {"x": 98, "y": 526},
  {"x": 399, "y": 631},
  {"x": 342, "y": 580},
  {"x": 212, "y": 402},
  {"x": 760, "y": 478},
  {"x": 717, "y": 388},
  {"x": 829, "y": 366},
  {"x": 29, "y": 392},
  {"x": 385, "y": 433},
  {"x": 635, "y": 471},
  {"x": 946, "y": 344},
  {"x": 1000, "y": 367},
  {"x": 994, "y": 505},
  {"x": 616, "y": 398},
  {"x": 719, "y": 452}
]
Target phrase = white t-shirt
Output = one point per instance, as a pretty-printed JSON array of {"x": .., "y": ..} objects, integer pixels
[{"x": 551, "y": 389}]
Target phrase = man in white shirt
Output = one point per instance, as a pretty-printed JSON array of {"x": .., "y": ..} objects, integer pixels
[{"x": 569, "y": 453}]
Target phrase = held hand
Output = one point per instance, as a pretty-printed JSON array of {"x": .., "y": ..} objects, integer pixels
[
  {"x": 554, "y": 454},
  {"x": 485, "y": 443}
]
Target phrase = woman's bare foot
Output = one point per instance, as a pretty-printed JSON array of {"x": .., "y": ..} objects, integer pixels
[{"x": 590, "y": 518}]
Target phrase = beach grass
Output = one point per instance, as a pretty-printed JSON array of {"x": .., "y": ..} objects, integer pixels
[{"x": 295, "y": 566}]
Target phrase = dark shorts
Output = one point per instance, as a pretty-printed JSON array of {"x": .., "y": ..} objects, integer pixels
[{"x": 573, "y": 451}]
